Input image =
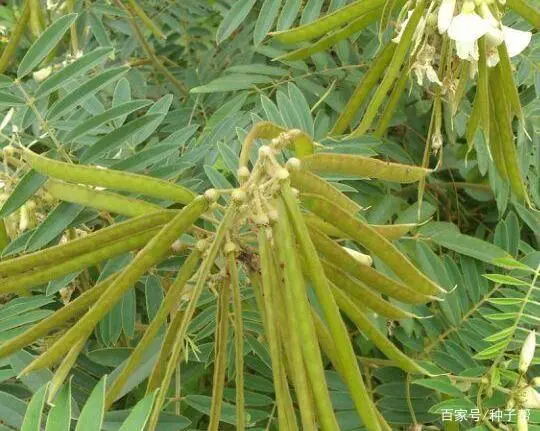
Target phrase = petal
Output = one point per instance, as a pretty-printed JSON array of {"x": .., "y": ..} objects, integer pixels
[
  {"x": 446, "y": 13},
  {"x": 467, "y": 50},
  {"x": 467, "y": 27},
  {"x": 516, "y": 40},
  {"x": 494, "y": 37}
]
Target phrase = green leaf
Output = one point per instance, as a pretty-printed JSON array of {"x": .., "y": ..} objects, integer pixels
[
  {"x": 288, "y": 14},
  {"x": 46, "y": 42},
  {"x": 452, "y": 404},
  {"x": 32, "y": 417},
  {"x": 59, "y": 418},
  {"x": 441, "y": 384},
  {"x": 78, "y": 67},
  {"x": 117, "y": 111},
  {"x": 265, "y": 21},
  {"x": 56, "y": 222},
  {"x": 85, "y": 91},
  {"x": 469, "y": 246},
  {"x": 116, "y": 138},
  {"x": 232, "y": 83},
  {"x": 236, "y": 16},
  {"x": 12, "y": 410},
  {"x": 91, "y": 417},
  {"x": 25, "y": 189},
  {"x": 506, "y": 279},
  {"x": 8, "y": 99},
  {"x": 139, "y": 415}
]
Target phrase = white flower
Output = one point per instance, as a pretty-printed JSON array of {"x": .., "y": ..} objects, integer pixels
[
  {"x": 465, "y": 29},
  {"x": 42, "y": 74},
  {"x": 516, "y": 40},
  {"x": 527, "y": 352},
  {"x": 422, "y": 66},
  {"x": 522, "y": 422},
  {"x": 446, "y": 13}
]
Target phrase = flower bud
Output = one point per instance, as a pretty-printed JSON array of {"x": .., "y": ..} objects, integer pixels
[
  {"x": 177, "y": 246},
  {"x": 527, "y": 352},
  {"x": 265, "y": 151},
  {"x": 201, "y": 245},
  {"x": 293, "y": 164},
  {"x": 261, "y": 219},
  {"x": 229, "y": 247},
  {"x": 282, "y": 174},
  {"x": 211, "y": 195},
  {"x": 529, "y": 398},
  {"x": 243, "y": 172},
  {"x": 238, "y": 196}
]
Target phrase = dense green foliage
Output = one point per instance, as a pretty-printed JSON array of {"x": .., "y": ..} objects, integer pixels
[{"x": 118, "y": 117}]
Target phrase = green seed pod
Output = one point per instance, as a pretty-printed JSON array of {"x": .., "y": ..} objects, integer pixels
[
  {"x": 27, "y": 280},
  {"x": 299, "y": 309},
  {"x": 307, "y": 182},
  {"x": 119, "y": 180},
  {"x": 328, "y": 22},
  {"x": 345, "y": 352},
  {"x": 374, "y": 242},
  {"x": 63, "y": 252},
  {"x": 364, "y": 167},
  {"x": 220, "y": 356},
  {"x": 363, "y": 294},
  {"x": 363, "y": 89},
  {"x": 364, "y": 324},
  {"x": 367, "y": 275},
  {"x": 275, "y": 319},
  {"x": 171, "y": 300},
  {"x": 102, "y": 200},
  {"x": 152, "y": 253}
]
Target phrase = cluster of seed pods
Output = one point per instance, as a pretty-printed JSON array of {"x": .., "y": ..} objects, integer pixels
[{"x": 287, "y": 220}]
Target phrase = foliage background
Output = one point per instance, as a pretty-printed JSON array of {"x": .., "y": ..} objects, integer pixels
[{"x": 224, "y": 81}]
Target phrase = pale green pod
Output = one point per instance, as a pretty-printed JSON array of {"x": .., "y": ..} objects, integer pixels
[
  {"x": 64, "y": 368},
  {"x": 393, "y": 70},
  {"x": 335, "y": 254},
  {"x": 118, "y": 180},
  {"x": 270, "y": 290},
  {"x": 238, "y": 341},
  {"x": 370, "y": 331},
  {"x": 363, "y": 89},
  {"x": 74, "y": 309},
  {"x": 171, "y": 300},
  {"x": 308, "y": 182},
  {"x": 101, "y": 200},
  {"x": 220, "y": 357},
  {"x": 63, "y": 252},
  {"x": 501, "y": 111},
  {"x": 391, "y": 105},
  {"x": 152, "y": 253},
  {"x": 376, "y": 243},
  {"x": 362, "y": 294},
  {"x": 345, "y": 352},
  {"x": 180, "y": 335},
  {"x": 299, "y": 309},
  {"x": 508, "y": 83},
  {"x": 333, "y": 38},
  {"x": 482, "y": 91},
  {"x": 363, "y": 167},
  {"x": 328, "y": 22},
  {"x": 27, "y": 280}
]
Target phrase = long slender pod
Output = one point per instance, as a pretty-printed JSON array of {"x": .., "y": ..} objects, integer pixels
[
  {"x": 100, "y": 199},
  {"x": 171, "y": 300},
  {"x": 364, "y": 167},
  {"x": 18, "y": 30},
  {"x": 270, "y": 290},
  {"x": 118, "y": 180},
  {"x": 27, "y": 280},
  {"x": 153, "y": 252},
  {"x": 187, "y": 315},
  {"x": 63, "y": 252},
  {"x": 64, "y": 368},
  {"x": 376, "y": 243},
  {"x": 238, "y": 340},
  {"x": 220, "y": 356},
  {"x": 352, "y": 375},
  {"x": 291, "y": 340}
]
